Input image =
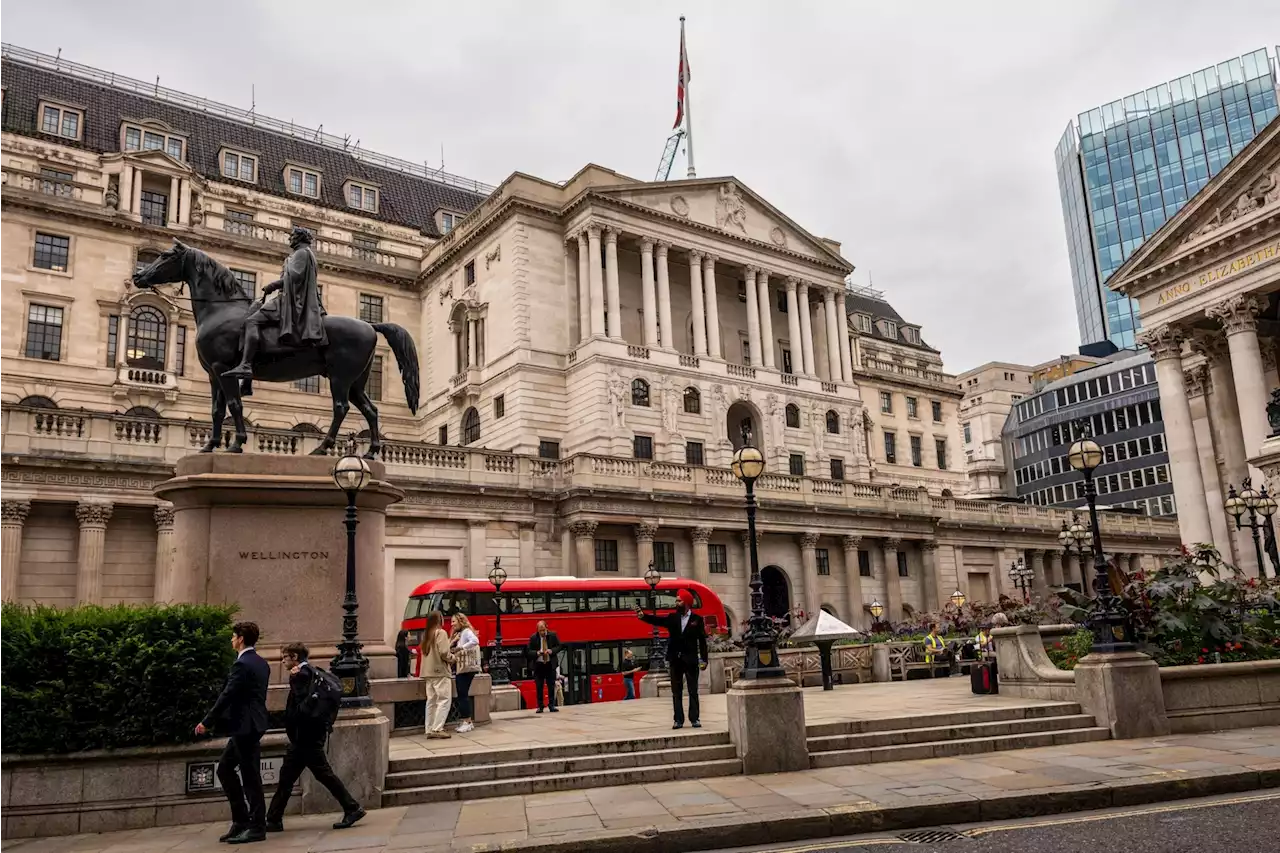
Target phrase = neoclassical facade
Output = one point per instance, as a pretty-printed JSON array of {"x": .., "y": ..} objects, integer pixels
[{"x": 591, "y": 353}]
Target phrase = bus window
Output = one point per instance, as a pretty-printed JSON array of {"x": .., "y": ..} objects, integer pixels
[
  {"x": 486, "y": 604},
  {"x": 604, "y": 660},
  {"x": 667, "y": 599},
  {"x": 526, "y": 602},
  {"x": 457, "y": 602},
  {"x": 600, "y": 602},
  {"x": 641, "y": 652},
  {"x": 632, "y": 600},
  {"x": 564, "y": 602},
  {"x": 415, "y": 608}
]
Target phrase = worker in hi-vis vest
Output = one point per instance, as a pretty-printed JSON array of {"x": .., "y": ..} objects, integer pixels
[{"x": 933, "y": 644}]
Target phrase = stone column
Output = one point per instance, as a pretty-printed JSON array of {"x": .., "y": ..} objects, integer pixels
[
  {"x": 842, "y": 326},
  {"x": 766, "y": 319},
  {"x": 612, "y": 296},
  {"x": 477, "y": 548},
  {"x": 857, "y": 616},
  {"x": 712, "y": 306},
  {"x": 931, "y": 583},
  {"x": 645, "y": 531},
  {"x": 584, "y": 289},
  {"x": 701, "y": 560},
  {"x": 1040, "y": 583},
  {"x": 13, "y": 515},
  {"x": 93, "y": 517},
  {"x": 1238, "y": 316},
  {"x": 126, "y": 189},
  {"x": 184, "y": 196},
  {"x": 833, "y": 337},
  {"x": 806, "y": 331},
  {"x": 1071, "y": 571},
  {"x": 667, "y": 330},
  {"x": 753, "y": 317},
  {"x": 527, "y": 566},
  {"x": 892, "y": 581},
  {"x": 809, "y": 566},
  {"x": 1197, "y": 383},
  {"x": 793, "y": 329},
  {"x": 584, "y": 547},
  {"x": 1165, "y": 343},
  {"x": 1053, "y": 568},
  {"x": 171, "y": 211},
  {"x": 473, "y": 343},
  {"x": 135, "y": 204},
  {"x": 166, "y": 587},
  {"x": 595, "y": 278},
  {"x": 648, "y": 293},
  {"x": 695, "y": 296},
  {"x": 1228, "y": 445}
]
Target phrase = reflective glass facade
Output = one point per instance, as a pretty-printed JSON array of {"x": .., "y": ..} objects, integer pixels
[{"x": 1127, "y": 167}]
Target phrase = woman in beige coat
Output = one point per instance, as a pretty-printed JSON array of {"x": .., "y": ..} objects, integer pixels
[{"x": 436, "y": 659}]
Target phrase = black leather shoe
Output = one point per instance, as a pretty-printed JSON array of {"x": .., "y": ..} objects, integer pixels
[
  {"x": 539, "y": 710},
  {"x": 249, "y": 836},
  {"x": 234, "y": 830},
  {"x": 678, "y": 726},
  {"x": 350, "y": 818},
  {"x": 275, "y": 826},
  {"x": 697, "y": 725},
  {"x": 554, "y": 710}
]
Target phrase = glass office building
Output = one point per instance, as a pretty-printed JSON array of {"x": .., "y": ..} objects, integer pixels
[{"x": 1127, "y": 167}]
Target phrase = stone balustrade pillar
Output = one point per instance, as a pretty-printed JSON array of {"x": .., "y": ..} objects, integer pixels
[
  {"x": 712, "y": 306},
  {"x": 612, "y": 294},
  {"x": 809, "y": 566},
  {"x": 892, "y": 580},
  {"x": 13, "y": 516},
  {"x": 93, "y": 517},
  {"x": 645, "y": 532},
  {"x": 648, "y": 293},
  {"x": 584, "y": 547},
  {"x": 166, "y": 558},
  {"x": 806, "y": 330},
  {"x": 855, "y": 603},
  {"x": 701, "y": 558}
]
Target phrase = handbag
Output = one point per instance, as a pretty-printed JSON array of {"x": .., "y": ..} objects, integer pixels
[{"x": 468, "y": 660}]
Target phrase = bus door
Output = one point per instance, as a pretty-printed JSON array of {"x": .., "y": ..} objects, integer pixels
[
  {"x": 606, "y": 680},
  {"x": 573, "y": 668}
]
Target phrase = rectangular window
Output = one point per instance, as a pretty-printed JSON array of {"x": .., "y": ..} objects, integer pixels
[
  {"x": 912, "y": 408},
  {"x": 363, "y": 198},
  {"x": 968, "y": 435},
  {"x": 180, "y": 351},
  {"x": 607, "y": 555},
  {"x": 303, "y": 182},
  {"x": 937, "y": 411},
  {"x": 890, "y": 447},
  {"x": 469, "y": 273},
  {"x": 500, "y": 406},
  {"x": 364, "y": 247},
  {"x": 786, "y": 361},
  {"x": 237, "y": 222},
  {"x": 940, "y": 448},
  {"x": 797, "y": 464},
  {"x": 837, "y": 469},
  {"x": 718, "y": 557},
  {"x": 239, "y": 167},
  {"x": 746, "y": 351},
  {"x": 864, "y": 564},
  {"x": 442, "y": 434},
  {"x": 113, "y": 339},
  {"x": 886, "y": 402},
  {"x": 311, "y": 384},
  {"x": 52, "y": 252},
  {"x": 60, "y": 121},
  {"x": 664, "y": 556},
  {"x": 370, "y": 308},
  {"x": 446, "y": 223},
  {"x": 56, "y": 182},
  {"x": 548, "y": 449},
  {"x": 902, "y": 565},
  {"x": 823, "y": 557},
  {"x": 917, "y": 454},
  {"x": 693, "y": 453},
  {"x": 374, "y": 386},
  {"x": 642, "y": 447},
  {"x": 248, "y": 281},
  {"x": 155, "y": 208},
  {"x": 44, "y": 332}
]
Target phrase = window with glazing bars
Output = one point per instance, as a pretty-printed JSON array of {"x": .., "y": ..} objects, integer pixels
[
  {"x": 154, "y": 208},
  {"x": 607, "y": 555},
  {"x": 823, "y": 557},
  {"x": 374, "y": 386},
  {"x": 44, "y": 332},
  {"x": 370, "y": 308},
  {"x": 664, "y": 556},
  {"x": 52, "y": 252},
  {"x": 718, "y": 558}
]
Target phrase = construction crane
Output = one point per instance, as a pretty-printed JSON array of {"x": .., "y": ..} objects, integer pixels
[{"x": 669, "y": 154}]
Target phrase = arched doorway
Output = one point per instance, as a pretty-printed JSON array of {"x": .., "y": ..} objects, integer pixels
[
  {"x": 743, "y": 425},
  {"x": 777, "y": 592},
  {"x": 830, "y": 610}
]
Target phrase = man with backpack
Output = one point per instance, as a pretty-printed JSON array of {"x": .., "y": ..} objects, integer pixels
[{"x": 312, "y": 706}]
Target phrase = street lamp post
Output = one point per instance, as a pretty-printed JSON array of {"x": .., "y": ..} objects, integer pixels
[
  {"x": 1259, "y": 506},
  {"x": 1022, "y": 576},
  {"x": 958, "y": 599},
  {"x": 877, "y": 610},
  {"x": 350, "y": 665},
  {"x": 1108, "y": 620},
  {"x": 657, "y": 654},
  {"x": 761, "y": 640},
  {"x": 499, "y": 672}
]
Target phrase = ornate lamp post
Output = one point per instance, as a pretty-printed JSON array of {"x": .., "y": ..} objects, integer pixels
[
  {"x": 1108, "y": 619},
  {"x": 1259, "y": 506},
  {"x": 1021, "y": 575},
  {"x": 657, "y": 656},
  {"x": 499, "y": 672},
  {"x": 761, "y": 639},
  {"x": 350, "y": 665},
  {"x": 958, "y": 599},
  {"x": 877, "y": 610}
]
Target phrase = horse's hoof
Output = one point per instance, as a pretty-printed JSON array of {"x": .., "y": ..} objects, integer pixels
[
  {"x": 235, "y": 448},
  {"x": 206, "y": 449},
  {"x": 372, "y": 454}
]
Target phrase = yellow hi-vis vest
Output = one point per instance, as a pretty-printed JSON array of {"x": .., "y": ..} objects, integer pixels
[{"x": 932, "y": 646}]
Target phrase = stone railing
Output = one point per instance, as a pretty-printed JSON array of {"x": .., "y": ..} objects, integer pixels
[
  {"x": 33, "y": 182},
  {"x": 889, "y": 368},
  {"x": 255, "y": 230}
]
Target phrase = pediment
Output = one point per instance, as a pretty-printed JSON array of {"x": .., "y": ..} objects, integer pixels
[
  {"x": 155, "y": 159},
  {"x": 727, "y": 205},
  {"x": 1245, "y": 191}
]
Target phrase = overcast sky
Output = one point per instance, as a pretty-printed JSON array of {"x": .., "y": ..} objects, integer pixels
[{"x": 920, "y": 135}]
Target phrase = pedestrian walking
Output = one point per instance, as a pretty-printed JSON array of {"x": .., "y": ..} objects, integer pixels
[
  {"x": 402, "y": 654},
  {"x": 465, "y": 644},
  {"x": 309, "y": 711},
  {"x": 542, "y": 649},
  {"x": 241, "y": 709},
  {"x": 436, "y": 659},
  {"x": 629, "y": 666},
  {"x": 686, "y": 653}
]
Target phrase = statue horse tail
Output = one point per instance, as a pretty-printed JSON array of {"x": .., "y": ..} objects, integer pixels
[{"x": 406, "y": 359}]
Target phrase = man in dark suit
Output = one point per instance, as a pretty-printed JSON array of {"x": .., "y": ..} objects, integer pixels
[
  {"x": 242, "y": 710},
  {"x": 306, "y": 745},
  {"x": 686, "y": 653},
  {"x": 542, "y": 649}
]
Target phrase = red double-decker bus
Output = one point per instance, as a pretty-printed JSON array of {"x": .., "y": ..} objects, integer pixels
[{"x": 594, "y": 619}]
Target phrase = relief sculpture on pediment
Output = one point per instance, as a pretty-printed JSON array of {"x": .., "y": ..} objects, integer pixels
[
  {"x": 1263, "y": 192},
  {"x": 731, "y": 210}
]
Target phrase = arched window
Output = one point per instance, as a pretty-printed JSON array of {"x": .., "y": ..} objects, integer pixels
[
  {"x": 146, "y": 343},
  {"x": 146, "y": 257},
  {"x": 143, "y": 412},
  {"x": 692, "y": 401},
  {"x": 307, "y": 429},
  {"x": 37, "y": 401},
  {"x": 640, "y": 393},
  {"x": 470, "y": 426},
  {"x": 833, "y": 422},
  {"x": 793, "y": 416}
]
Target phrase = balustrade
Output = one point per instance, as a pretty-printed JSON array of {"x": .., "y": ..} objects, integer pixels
[
  {"x": 56, "y": 424},
  {"x": 138, "y": 431},
  {"x": 790, "y": 379},
  {"x": 689, "y": 361},
  {"x": 741, "y": 370},
  {"x": 638, "y": 352}
]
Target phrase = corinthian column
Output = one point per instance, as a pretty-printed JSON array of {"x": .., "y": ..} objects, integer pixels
[
  {"x": 753, "y": 317},
  {"x": 666, "y": 330},
  {"x": 701, "y": 558},
  {"x": 648, "y": 293},
  {"x": 892, "y": 580},
  {"x": 13, "y": 515},
  {"x": 611, "y": 282},
  {"x": 842, "y": 328},
  {"x": 809, "y": 563},
  {"x": 93, "y": 517},
  {"x": 809, "y": 367},
  {"x": 1197, "y": 384},
  {"x": 695, "y": 296},
  {"x": 1238, "y": 316},
  {"x": 584, "y": 547},
  {"x": 166, "y": 585},
  {"x": 645, "y": 531},
  {"x": 833, "y": 340},
  {"x": 1165, "y": 343},
  {"x": 766, "y": 319},
  {"x": 584, "y": 288},
  {"x": 793, "y": 329},
  {"x": 713, "y": 306},
  {"x": 934, "y": 594},
  {"x": 853, "y": 579},
  {"x": 595, "y": 281}
]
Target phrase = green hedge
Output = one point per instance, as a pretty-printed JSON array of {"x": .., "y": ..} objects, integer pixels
[{"x": 98, "y": 677}]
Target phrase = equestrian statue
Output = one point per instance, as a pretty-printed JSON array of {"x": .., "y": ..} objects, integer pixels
[{"x": 288, "y": 338}]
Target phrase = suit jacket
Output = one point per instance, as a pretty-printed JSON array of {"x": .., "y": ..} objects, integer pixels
[
  {"x": 242, "y": 706},
  {"x": 297, "y": 725},
  {"x": 687, "y": 645},
  {"x": 535, "y": 646}
]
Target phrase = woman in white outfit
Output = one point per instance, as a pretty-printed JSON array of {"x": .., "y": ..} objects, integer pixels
[
  {"x": 436, "y": 658},
  {"x": 465, "y": 644}
]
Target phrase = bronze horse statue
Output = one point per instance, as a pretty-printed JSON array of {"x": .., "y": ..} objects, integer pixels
[{"x": 221, "y": 306}]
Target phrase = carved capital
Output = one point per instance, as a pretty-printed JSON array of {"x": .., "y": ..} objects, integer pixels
[
  {"x": 851, "y": 543},
  {"x": 593, "y": 230},
  {"x": 928, "y": 545},
  {"x": 582, "y": 240},
  {"x": 610, "y": 235},
  {"x": 164, "y": 516},
  {"x": 828, "y": 295},
  {"x": 808, "y": 541},
  {"x": 709, "y": 261},
  {"x": 1211, "y": 345},
  {"x": 792, "y": 284},
  {"x": 762, "y": 275},
  {"x": 746, "y": 539},
  {"x": 646, "y": 244},
  {"x": 701, "y": 535},
  {"x": 645, "y": 531},
  {"x": 93, "y": 513},
  {"x": 1196, "y": 380},
  {"x": 15, "y": 510},
  {"x": 695, "y": 257},
  {"x": 662, "y": 247},
  {"x": 892, "y": 544},
  {"x": 583, "y": 529},
  {"x": 1163, "y": 341},
  {"x": 750, "y": 270},
  {"x": 1238, "y": 315}
]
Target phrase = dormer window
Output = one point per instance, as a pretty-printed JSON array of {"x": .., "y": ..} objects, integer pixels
[
  {"x": 304, "y": 182},
  {"x": 239, "y": 166},
  {"x": 910, "y": 335},
  {"x": 862, "y": 322},
  {"x": 143, "y": 138},
  {"x": 447, "y": 220},
  {"x": 362, "y": 197},
  {"x": 889, "y": 329},
  {"x": 58, "y": 120}
]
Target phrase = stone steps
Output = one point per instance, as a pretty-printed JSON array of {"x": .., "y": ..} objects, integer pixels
[
  {"x": 953, "y": 748},
  {"x": 541, "y": 752},
  {"x": 944, "y": 720},
  {"x": 931, "y": 734}
]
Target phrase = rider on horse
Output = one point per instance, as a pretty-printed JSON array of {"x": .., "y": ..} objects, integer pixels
[{"x": 297, "y": 312}]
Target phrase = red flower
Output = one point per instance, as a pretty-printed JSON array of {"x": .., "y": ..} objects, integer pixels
[
  {"x": 1201, "y": 660},
  {"x": 1204, "y": 651}
]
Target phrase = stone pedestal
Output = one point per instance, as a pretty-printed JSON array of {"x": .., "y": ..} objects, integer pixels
[
  {"x": 1122, "y": 691},
  {"x": 358, "y": 750},
  {"x": 649, "y": 683},
  {"x": 266, "y": 532},
  {"x": 880, "y": 670},
  {"x": 504, "y": 697},
  {"x": 766, "y": 725}
]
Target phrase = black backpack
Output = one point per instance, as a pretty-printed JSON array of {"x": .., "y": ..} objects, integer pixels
[{"x": 323, "y": 699}]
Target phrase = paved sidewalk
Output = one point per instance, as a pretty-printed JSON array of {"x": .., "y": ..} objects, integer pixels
[{"x": 743, "y": 810}]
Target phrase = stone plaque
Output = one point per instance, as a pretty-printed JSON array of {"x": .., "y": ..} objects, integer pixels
[{"x": 202, "y": 776}]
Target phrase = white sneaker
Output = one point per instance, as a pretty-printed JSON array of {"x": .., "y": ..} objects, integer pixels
[{"x": 465, "y": 727}]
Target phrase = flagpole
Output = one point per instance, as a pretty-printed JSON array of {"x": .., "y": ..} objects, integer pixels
[{"x": 688, "y": 102}]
